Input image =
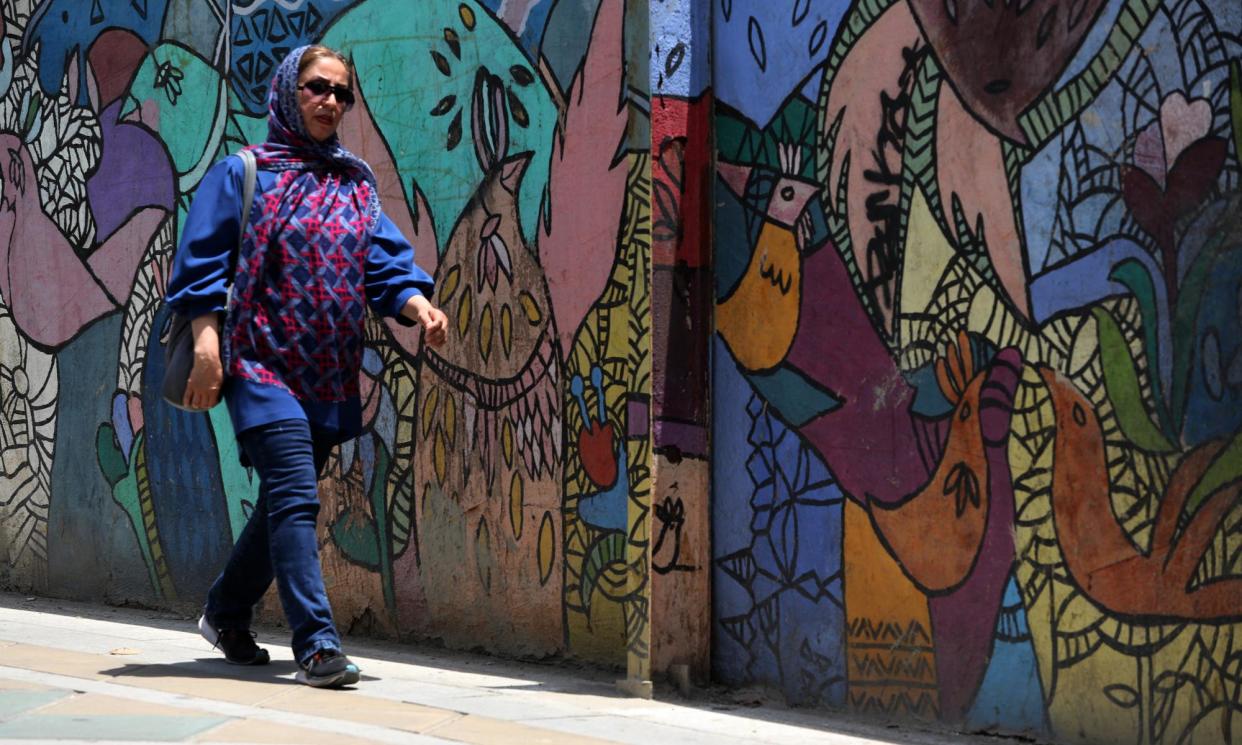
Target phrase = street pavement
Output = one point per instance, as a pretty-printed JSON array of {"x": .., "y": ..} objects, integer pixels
[{"x": 75, "y": 672}]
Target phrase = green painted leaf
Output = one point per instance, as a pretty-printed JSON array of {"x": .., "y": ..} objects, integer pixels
[
  {"x": 1183, "y": 328},
  {"x": 1121, "y": 381},
  {"x": 355, "y": 535},
  {"x": 607, "y": 549},
  {"x": 111, "y": 460},
  {"x": 379, "y": 507},
  {"x": 1226, "y": 469},
  {"x": 125, "y": 493},
  {"x": 1138, "y": 281}
]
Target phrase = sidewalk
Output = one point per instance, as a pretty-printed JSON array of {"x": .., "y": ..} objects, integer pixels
[{"x": 74, "y": 672}]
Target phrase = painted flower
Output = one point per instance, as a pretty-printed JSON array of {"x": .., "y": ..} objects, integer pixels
[{"x": 1176, "y": 161}]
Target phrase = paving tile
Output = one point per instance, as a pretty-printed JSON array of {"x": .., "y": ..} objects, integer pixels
[
  {"x": 14, "y": 702},
  {"x": 354, "y": 707},
  {"x": 116, "y": 727},
  {"x": 255, "y": 731},
  {"x": 98, "y": 704},
  {"x": 58, "y": 661},
  {"x": 487, "y": 731},
  {"x": 215, "y": 680},
  {"x": 17, "y": 685}
]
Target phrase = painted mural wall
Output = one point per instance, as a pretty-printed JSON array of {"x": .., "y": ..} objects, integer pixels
[
  {"x": 977, "y": 382},
  {"x": 501, "y": 494}
]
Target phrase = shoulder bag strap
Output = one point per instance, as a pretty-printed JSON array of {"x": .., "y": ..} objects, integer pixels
[{"x": 248, "y": 181}]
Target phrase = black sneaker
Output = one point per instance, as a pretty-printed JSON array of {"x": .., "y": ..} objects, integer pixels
[
  {"x": 237, "y": 644},
  {"x": 329, "y": 668}
]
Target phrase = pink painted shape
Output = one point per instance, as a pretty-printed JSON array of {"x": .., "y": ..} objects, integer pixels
[
  {"x": 735, "y": 177},
  {"x": 115, "y": 262},
  {"x": 970, "y": 164},
  {"x": 359, "y": 133},
  {"x": 1149, "y": 153},
  {"x": 1182, "y": 123},
  {"x": 789, "y": 199},
  {"x": 586, "y": 188},
  {"x": 134, "y": 407},
  {"x": 873, "y": 65},
  {"x": 46, "y": 285}
]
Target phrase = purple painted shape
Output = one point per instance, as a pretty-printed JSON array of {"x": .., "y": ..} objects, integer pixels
[
  {"x": 638, "y": 417},
  {"x": 963, "y": 620},
  {"x": 869, "y": 441},
  {"x": 134, "y": 172},
  {"x": 120, "y": 423},
  {"x": 690, "y": 439}
]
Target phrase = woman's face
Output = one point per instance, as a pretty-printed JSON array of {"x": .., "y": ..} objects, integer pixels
[{"x": 322, "y": 112}]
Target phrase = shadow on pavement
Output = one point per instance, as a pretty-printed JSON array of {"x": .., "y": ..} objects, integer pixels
[
  {"x": 278, "y": 671},
  {"x": 553, "y": 675}
]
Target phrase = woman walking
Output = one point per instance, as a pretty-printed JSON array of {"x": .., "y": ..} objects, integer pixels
[{"x": 316, "y": 251}]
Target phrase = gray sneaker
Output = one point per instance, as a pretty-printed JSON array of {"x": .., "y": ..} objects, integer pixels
[
  {"x": 329, "y": 668},
  {"x": 237, "y": 644}
]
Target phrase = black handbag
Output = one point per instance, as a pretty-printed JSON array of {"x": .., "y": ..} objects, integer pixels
[{"x": 179, "y": 348}]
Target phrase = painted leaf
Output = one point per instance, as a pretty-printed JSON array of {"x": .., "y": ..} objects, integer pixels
[
  {"x": 1225, "y": 469},
  {"x": 607, "y": 549},
  {"x": 521, "y": 75},
  {"x": 516, "y": 505},
  {"x": 1122, "y": 383},
  {"x": 449, "y": 286},
  {"x": 441, "y": 63},
  {"x": 1138, "y": 281},
  {"x": 1189, "y": 296},
  {"x": 445, "y": 105},
  {"x": 1122, "y": 695},
  {"x": 453, "y": 41},
  {"x": 464, "y": 309},
  {"x": 758, "y": 47},
  {"x": 355, "y": 535},
  {"x": 506, "y": 329},
  {"x": 485, "y": 333},
  {"x": 111, "y": 461}
]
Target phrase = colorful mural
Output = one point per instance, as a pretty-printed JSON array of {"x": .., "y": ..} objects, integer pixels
[
  {"x": 977, "y": 439},
  {"x": 959, "y": 284},
  {"x": 500, "y": 496}
]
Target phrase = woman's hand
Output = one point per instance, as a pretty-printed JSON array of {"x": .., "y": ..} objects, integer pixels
[
  {"x": 431, "y": 318},
  {"x": 202, "y": 390}
]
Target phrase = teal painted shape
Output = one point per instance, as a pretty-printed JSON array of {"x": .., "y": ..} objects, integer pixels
[
  {"x": 13, "y": 703},
  {"x": 118, "y": 727},
  {"x": 1011, "y": 696},
  {"x": 186, "y": 90},
  {"x": 797, "y": 398},
  {"x": 392, "y": 44},
  {"x": 239, "y": 484},
  {"x": 929, "y": 400}
]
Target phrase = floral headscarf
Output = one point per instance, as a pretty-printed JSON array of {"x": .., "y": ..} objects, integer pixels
[
  {"x": 299, "y": 304},
  {"x": 290, "y": 147}
]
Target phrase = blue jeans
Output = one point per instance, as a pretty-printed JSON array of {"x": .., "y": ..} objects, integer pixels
[{"x": 279, "y": 540}]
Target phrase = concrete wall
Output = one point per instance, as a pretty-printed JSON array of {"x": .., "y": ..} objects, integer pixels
[
  {"x": 978, "y": 361},
  {"x": 501, "y": 494}
]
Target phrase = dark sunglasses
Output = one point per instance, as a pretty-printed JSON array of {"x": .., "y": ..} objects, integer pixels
[{"x": 320, "y": 88}]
